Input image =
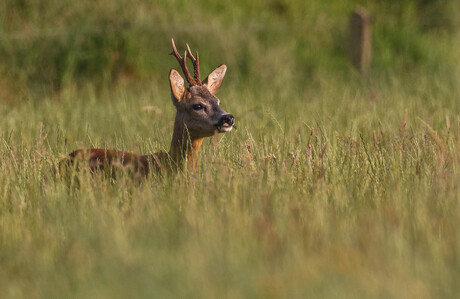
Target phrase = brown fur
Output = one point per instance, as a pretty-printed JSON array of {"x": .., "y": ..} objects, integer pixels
[{"x": 99, "y": 159}]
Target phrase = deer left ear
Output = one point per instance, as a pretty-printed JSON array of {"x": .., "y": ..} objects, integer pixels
[
  {"x": 177, "y": 86},
  {"x": 215, "y": 79}
]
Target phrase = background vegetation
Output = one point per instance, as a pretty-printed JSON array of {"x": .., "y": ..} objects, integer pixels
[{"x": 335, "y": 184}]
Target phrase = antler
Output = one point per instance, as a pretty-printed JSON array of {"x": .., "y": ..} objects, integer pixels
[
  {"x": 196, "y": 63},
  {"x": 183, "y": 63}
]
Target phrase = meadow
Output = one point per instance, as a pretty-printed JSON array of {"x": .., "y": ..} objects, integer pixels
[{"x": 335, "y": 184}]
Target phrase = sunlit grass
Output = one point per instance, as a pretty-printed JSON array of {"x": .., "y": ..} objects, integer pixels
[
  {"x": 334, "y": 185},
  {"x": 295, "y": 213}
]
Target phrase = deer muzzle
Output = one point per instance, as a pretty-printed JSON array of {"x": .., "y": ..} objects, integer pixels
[{"x": 225, "y": 123}]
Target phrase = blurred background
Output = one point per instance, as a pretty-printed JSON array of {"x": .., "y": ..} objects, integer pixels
[{"x": 47, "y": 46}]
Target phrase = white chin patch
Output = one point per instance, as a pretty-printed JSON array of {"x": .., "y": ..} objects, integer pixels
[{"x": 225, "y": 128}]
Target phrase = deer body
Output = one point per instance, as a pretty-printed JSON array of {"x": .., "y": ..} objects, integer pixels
[{"x": 198, "y": 115}]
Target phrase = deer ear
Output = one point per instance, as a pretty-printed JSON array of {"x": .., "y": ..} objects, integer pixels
[
  {"x": 177, "y": 86},
  {"x": 215, "y": 78}
]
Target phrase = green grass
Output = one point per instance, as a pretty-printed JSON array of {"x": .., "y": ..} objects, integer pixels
[
  {"x": 348, "y": 220},
  {"x": 350, "y": 217}
]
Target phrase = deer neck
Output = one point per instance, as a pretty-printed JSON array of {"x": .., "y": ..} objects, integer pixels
[{"x": 184, "y": 145}]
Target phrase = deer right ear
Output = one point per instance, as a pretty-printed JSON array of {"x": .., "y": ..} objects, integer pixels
[
  {"x": 215, "y": 78},
  {"x": 177, "y": 86}
]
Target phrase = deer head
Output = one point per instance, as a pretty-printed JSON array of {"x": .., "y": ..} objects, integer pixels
[{"x": 198, "y": 109}]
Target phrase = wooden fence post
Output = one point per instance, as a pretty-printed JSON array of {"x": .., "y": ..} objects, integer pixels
[{"x": 360, "y": 39}]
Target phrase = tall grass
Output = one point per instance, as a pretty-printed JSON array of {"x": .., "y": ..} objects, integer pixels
[{"x": 333, "y": 185}]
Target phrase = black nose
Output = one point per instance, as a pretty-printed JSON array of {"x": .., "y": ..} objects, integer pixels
[{"x": 227, "y": 119}]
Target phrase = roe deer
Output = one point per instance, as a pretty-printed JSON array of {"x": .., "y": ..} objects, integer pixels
[{"x": 198, "y": 115}]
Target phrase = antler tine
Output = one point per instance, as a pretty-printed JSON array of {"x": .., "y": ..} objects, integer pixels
[
  {"x": 190, "y": 52},
  {"x": 183, "y": 64},
  {"x": 196, "y": 64}
]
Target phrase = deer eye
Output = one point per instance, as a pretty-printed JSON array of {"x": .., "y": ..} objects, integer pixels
[{"x": 197, "y": 107}]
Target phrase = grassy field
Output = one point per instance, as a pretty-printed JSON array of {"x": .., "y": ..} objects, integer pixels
[{"x": 334, "y": 185}]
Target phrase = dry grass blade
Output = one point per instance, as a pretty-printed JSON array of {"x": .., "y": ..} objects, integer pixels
[
  {"x": 402, "y": 125},
  {"x": 323, "y": 152},
  {"x": 447, "y": 124},
  {"x": 270, "y": 157},
  {"x": 215, "y": 138},
  {"x": 292, "y": 159},
  {"x": 248, "y": 147},
  {"x": 434, "y": 135},
  {"x": 308, "y": 150},
  {"x": 376, "y": 143}
]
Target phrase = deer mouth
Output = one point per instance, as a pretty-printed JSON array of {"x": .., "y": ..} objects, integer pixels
[{"x": 222, "y": 128}]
